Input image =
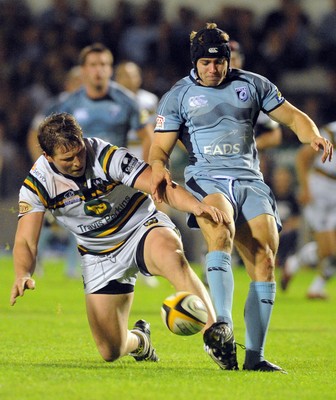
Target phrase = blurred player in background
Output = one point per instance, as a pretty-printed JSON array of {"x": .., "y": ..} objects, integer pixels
[
  {"x": 317, "y": 194},
  {"x": 129, "y": 75},
  {"x": 99, "y": 192},
  {"x": 103, "y": 107},
  {"x": 219, "y": 107},
  {"x": 284, "y": 187},
  {"x": 72, "y": 82}
]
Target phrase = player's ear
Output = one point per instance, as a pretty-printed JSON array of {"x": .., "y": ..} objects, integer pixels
[{"x": 49, "y": 159}]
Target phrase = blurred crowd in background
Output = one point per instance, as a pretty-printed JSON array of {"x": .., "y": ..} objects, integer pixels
[{"x": 36, "y": 51}]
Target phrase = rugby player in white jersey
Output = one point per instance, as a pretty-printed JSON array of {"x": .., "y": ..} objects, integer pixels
[
  {"x": 317, "y": 195},
  {"x": 219, "y": 107},
  {"x": 99, "y": 192}
]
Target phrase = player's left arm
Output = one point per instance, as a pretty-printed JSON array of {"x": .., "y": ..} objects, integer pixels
[
  {"x": 179, "y": 198},
  {"x": 304, "y": 127}
]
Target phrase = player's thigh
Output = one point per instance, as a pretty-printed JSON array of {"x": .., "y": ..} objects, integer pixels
[
  {"x": 257, "y": 241},
  {"x": 108, "y": 316},
  {"x": 163, "y": 252},
  {"x": 218, "y": 236}
]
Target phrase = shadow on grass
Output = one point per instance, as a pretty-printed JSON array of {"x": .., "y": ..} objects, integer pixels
[{"x": 163, "y": 367}]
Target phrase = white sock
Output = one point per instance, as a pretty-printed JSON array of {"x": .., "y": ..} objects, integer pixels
[
  {"x": 292, "y": 264},
  {"x": 307, "y": 255},
  {"x": 318, "y": 285}
]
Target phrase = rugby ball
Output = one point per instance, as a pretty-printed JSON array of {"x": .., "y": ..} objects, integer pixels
[{"x": 184, "y": 313}]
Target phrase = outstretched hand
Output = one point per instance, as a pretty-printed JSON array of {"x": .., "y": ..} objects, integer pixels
[
  {"x": 213, "y": 213},
  {"x": 20, "y": 285},
  {"x": 321, "y": 143}
]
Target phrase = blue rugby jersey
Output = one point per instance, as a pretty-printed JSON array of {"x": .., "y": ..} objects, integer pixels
[
  {"x": 102, "y": 209},
  {"x": 109, "y": 118},
  {"x": 216, "y": 124}
]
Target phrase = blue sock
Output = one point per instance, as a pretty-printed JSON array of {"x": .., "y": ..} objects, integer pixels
[
  {"x": 221, "y": 285},
  {"x": 257, "y": 314}
]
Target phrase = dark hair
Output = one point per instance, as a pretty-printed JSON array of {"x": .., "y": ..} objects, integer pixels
[
  {"x": 59, "y": 130},
  {"x": 209, "y": 42},
  {"x": 93, "y": 48}
]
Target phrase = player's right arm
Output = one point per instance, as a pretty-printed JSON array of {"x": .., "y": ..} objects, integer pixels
[
  {"x": 25, "y": 253},
  {"x": 304, "y": 128},
  {"x": 160, "y": 151}
]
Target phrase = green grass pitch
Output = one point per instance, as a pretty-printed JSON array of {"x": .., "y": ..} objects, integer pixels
[{"x": 46, "y": 349}]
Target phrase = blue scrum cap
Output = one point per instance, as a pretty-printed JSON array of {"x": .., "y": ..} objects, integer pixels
[{"x": 209, "y": 43}]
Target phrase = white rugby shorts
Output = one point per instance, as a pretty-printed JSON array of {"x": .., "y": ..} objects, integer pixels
[
  {"x": 321, "y": 212},
  {"x": 120, "y": 265}
]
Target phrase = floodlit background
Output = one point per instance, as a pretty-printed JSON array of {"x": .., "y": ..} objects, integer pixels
[{"x": 40, "y": 41}]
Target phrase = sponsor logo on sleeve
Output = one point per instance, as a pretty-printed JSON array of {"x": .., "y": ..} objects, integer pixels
[
  {"x": 151, "y": 221},
  {"x": 279, "y": 96},
  {"x": 38, "y": 174},
  {"x": 128, "y": 163},
  {"x": 24, "y": 207},
  {"x": 160, "y": 120}
]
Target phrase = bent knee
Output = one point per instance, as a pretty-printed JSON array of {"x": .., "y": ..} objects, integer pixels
[
  {"x": 110, "y": 355},
  {"x": 220, "y": 239}
]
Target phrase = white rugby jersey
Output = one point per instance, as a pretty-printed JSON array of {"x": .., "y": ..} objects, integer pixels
[{"x": 101, "y": 209}]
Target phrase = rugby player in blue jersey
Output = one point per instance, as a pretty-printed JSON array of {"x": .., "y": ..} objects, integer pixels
[
  {"x": 98, "y": 192},
  {"x": 213, "y": 112},
  {"x": 102, "y": 107}
]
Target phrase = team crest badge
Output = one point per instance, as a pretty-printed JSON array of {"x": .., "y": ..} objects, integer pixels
[
  {"x": 242, "y": 93},
  {"x": 24, "y": 207}
]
